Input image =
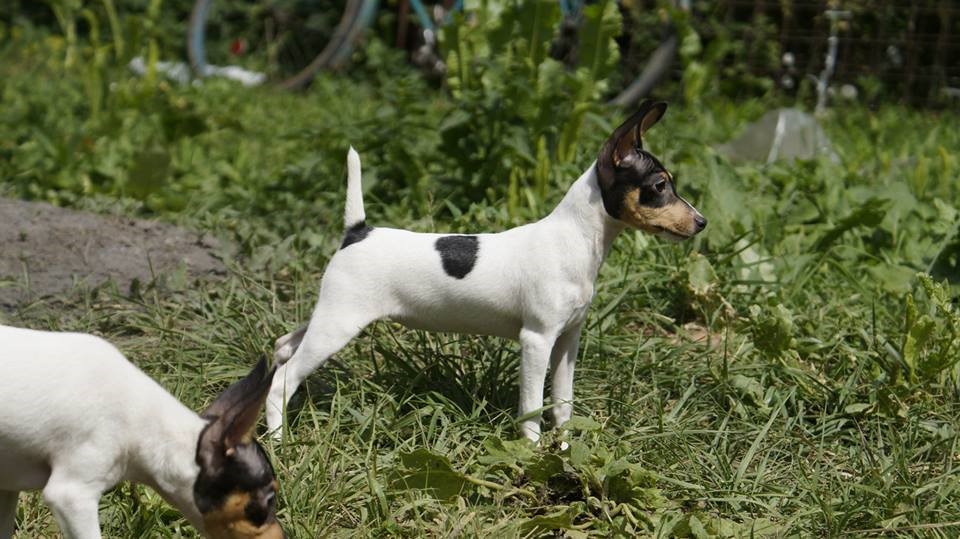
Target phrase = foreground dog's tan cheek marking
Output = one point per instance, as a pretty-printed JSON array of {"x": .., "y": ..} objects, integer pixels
[
  {"x": 675, "y": 217},
  {"x": 230, "y": 521}
]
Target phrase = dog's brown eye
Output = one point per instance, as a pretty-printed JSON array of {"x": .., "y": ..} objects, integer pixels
[{"x": 661, "y": 185}]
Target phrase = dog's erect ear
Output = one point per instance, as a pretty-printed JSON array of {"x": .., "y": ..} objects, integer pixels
[
  {"x": 233, "y": 417},
  {"x": 651, "y": 117},
  {"x": 627, "y": 138}
]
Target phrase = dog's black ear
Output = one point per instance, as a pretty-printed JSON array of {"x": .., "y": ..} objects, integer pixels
[
  {"x": 627, "y": 138},
  {"x": 651, "y": 117},
  {"x": 233, "y": 417}
]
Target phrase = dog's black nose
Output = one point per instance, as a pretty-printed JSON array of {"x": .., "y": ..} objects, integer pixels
[{"x": 701, "y": 222}]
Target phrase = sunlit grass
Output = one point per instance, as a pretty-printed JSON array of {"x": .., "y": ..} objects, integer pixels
[{"x": 769, "y": 393}]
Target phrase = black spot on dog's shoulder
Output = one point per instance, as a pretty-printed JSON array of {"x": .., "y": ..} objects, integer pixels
[
  {"x": 458, "y": 254},
  {"x": 357, "y": 232}
]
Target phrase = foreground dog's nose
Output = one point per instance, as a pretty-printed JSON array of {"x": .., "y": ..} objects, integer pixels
[{"x": 701, "y": 222}]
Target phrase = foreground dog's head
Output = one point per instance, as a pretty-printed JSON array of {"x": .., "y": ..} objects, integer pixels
[
  {"x": 236, "y": 489},
  {"x": 635, "y": 186}
]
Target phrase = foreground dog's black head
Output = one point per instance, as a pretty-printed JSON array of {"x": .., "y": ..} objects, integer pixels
[
  {"x": 635, "y": 186},
  {"x": 236, "y": 489}
]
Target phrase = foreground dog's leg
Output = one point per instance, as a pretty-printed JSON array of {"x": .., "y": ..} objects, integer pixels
[
  {"x": 562, "y": 361},
  {"x": 286, "y": 346},
  {"x": 329, "y": 331},
  {"x": 74, "y": 502},
  {"x": 8, "y": 513},
  {"x": 536, "y": 347}
]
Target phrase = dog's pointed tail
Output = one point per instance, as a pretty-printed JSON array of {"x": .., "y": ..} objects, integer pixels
[{"x": 353, "y": 213}]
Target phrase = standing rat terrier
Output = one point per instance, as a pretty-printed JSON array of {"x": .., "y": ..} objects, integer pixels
[
  {"x": 533, "y": 283},
  {"x": 76, "y": 418}
]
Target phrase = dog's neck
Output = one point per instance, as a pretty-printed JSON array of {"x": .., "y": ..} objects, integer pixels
[
  {"x": 165, "y": 457},
  {"x": 583, "y": 207}
]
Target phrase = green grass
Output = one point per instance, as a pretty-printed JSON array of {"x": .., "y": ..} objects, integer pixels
[{"x": 816, "y": 407}]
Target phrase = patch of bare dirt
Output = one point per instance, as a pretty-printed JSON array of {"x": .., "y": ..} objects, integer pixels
[{"x": 47, "y": 251}]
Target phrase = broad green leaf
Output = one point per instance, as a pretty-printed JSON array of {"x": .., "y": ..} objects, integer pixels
[
  {"x": 869, "y": 214},
  {"x": 148, "y": 173},
  {"x": 893, "y": 278},
  {"x": 748, "y": 388},
  {"x": 537, "y": 20},
  {"x": 424, "y": 459},
  {"x": 581, "y": 423},
  {"x": 857, "y": 408},
  {"x": 431, "y": 472},
  {"x": 597, "y": 51},
  {"x": 771, "y": 329},
  {"x": 507, "y": 451},
  {"x": 690, "y": 45},
  {"x": 697, "y": 530},
  {"x": 440, "y": 484},
  {"x": 626, "y": 482},
  {"x": 539, "y": 525},
  {"x": 544, "y": 467},
  {"x": 579, "y": 452},
  {"x": 701, "y": 276}
]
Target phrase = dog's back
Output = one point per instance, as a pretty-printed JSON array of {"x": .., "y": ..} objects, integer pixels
[{"x": 67, "y": 390}]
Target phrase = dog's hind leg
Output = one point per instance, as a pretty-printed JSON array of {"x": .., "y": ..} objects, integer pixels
[
  {"x": 8, "y": 513},
  {"x": 327, "y": 333},
  {"x": 562, "y": 361}
]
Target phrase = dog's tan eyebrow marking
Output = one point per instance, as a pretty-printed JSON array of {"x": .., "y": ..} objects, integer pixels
[{"x": 458, "y": 254}]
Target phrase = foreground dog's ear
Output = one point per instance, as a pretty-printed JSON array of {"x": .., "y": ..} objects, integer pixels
[
  {"x": 627, "y": 138},
  {"x": 233, "y": 417}
]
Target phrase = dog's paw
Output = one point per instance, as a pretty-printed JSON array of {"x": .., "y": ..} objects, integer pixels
[
  {"x": 285, "y": 346},
  {"x": 275, "y": 435},
  {"x": 283, "y": 352}
]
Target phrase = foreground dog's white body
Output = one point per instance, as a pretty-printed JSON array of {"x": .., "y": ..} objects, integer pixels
[
  {"x": 533, "y": 283},
  {"x": 76, "y": 418}
]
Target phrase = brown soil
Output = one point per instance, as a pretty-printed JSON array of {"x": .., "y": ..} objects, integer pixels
[{"x": 46, "y": 251}]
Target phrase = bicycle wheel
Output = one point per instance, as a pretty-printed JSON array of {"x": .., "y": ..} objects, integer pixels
[
  {"x": 288, "y": 40},
  {"x": 654, "y": 71}
]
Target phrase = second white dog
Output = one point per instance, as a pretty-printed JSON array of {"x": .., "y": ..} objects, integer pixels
[
  {"x": 76, "y": 418},
  {"x": 533, "y": 283}
]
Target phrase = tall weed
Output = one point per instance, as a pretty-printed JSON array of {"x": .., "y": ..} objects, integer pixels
[{"x": 520, "y": 114}]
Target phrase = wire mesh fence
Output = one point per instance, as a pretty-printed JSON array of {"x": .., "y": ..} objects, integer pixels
[{"x": 890, "y": 50}]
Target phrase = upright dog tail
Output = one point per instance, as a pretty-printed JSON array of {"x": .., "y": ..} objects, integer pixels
[{"x": 353, "y": 213}]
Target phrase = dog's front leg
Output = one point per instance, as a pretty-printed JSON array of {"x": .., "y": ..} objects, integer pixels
[
  {"x": 536, "y": 347},
  {"x": 74, "y": 503},
  {"x": 8, "y": 513},
  {"x": 562, "y": 361}
]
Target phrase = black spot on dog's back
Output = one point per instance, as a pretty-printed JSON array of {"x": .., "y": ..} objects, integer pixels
[
  {"x": 458, "y": 254},
  {"x": 355, "y": 233}
]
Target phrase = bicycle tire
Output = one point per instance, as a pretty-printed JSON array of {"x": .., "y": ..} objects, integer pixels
[
  {"x": 357, "y": 17},
  {"x": 655, "y": 70}
]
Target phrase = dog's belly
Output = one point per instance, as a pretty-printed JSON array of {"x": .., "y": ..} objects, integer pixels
[
  {"x": 465, "y": 320},
  {"x": 20, "y": 472}
]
